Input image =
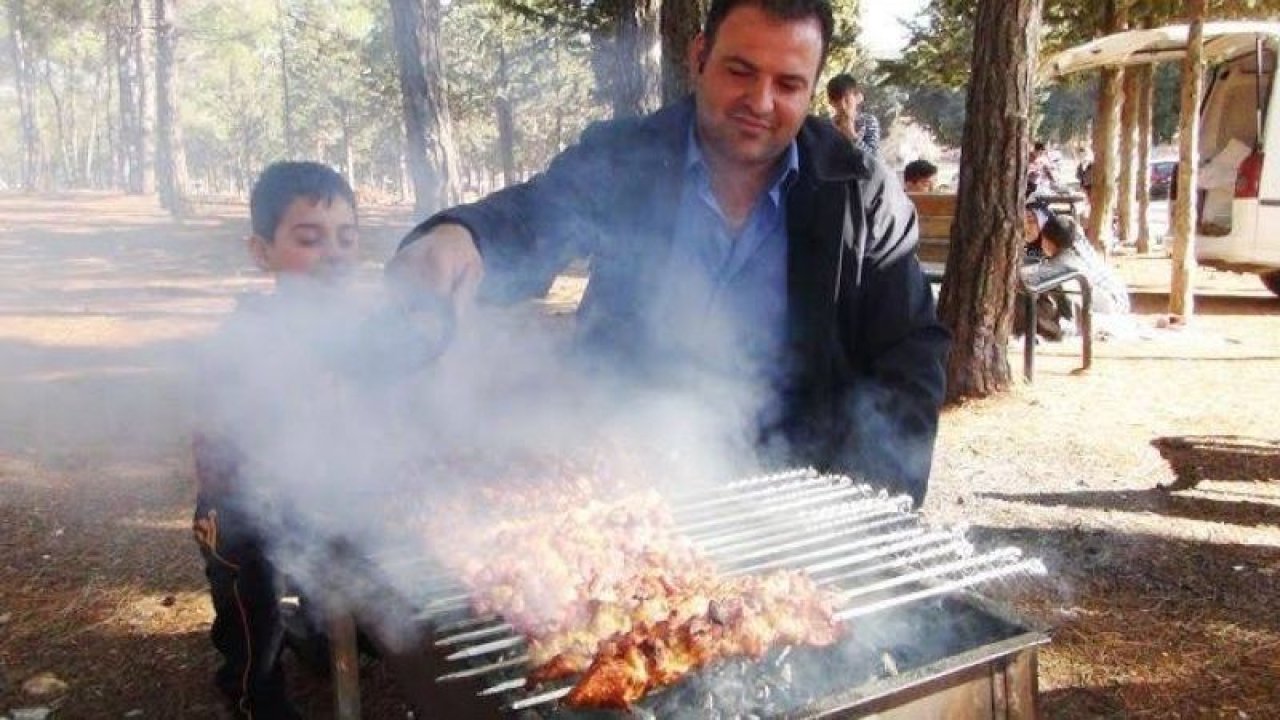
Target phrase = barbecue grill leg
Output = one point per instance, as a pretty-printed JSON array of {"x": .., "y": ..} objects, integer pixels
[{"x": 344, "y": 658}]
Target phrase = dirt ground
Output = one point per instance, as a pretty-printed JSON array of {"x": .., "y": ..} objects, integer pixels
[{"x": 1149, "y": 485}]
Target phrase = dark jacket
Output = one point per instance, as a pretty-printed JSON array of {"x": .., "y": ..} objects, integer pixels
[{"x": 864, "y": 382}]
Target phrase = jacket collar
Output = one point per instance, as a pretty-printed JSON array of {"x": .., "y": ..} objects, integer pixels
[{"x": 825, "y": 154}]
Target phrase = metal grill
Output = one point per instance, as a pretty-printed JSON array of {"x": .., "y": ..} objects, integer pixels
[{"x": 864, "y": 546}]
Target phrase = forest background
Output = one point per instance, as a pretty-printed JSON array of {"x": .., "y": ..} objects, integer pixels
[{"x": 438, "y": 100}]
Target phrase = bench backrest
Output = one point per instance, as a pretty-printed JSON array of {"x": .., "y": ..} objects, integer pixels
[{"x": 936, "y": 212}]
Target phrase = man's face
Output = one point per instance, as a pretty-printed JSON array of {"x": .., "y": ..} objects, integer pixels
[
  {"x": 754, "y": 84},
  {"x": 315, "y": 238}
]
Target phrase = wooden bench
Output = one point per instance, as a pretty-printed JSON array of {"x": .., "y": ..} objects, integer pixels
[{"x": 936, "y": 213}]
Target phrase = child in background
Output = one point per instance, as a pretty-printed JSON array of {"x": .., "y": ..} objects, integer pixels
[
  {"x": 919, "y": 176},
  {"x": 306, "y": 235}
]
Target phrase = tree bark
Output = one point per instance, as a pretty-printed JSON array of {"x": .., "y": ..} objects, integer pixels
[
  {"x": 1146, "y": 85},
  {"x": 1102, "y": 198},
  {"x": 171, "y": 160},
  {"x": 635, "y": 74},
  {"x": 1182, "y": 284},
  {"x": 428, "y": 126},
  {"x": 680, "y": 23},
  {"x": 986, "y": 237},
  {"x": 24, "y": 86},
  {"x": 1131, "y": 172}
]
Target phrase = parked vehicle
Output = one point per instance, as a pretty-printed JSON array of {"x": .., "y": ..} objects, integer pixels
[
  {"x": 1162, "y": 172},
  {"x": 1239, "y": 186}
]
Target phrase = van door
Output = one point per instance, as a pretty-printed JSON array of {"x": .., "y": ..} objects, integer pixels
[
  {"x": 1267, "y": 236},
  {"x": 1229, "y": 135}
]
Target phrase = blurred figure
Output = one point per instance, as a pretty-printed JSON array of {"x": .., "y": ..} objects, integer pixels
[
  {"x": 920, "y": 176},
  {"x": 1041, "y": 173},
  {"x": 846, "y": 97},
  {"x": 1055, "y": 247}
]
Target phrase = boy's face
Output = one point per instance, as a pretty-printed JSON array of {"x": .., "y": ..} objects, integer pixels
[
  {"x": 848, "y": 104},
  {"x": 921, "y": 185},
  {"x": 315, "y": 238}
]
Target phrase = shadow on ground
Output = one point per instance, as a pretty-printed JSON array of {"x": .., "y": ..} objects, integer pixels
[
  {"x": 1112, "y": 598},
  {"x": 1227, "y": 458}
]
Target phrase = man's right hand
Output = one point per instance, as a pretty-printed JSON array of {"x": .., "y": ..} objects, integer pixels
[{"x": 444, "y": 261}]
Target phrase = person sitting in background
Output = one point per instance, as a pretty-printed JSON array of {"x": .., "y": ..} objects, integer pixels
[
  {"x": 919, "y": 176},
  {"x": 846, "y": 97},
  {"x": 305, "y": 235},
  {"x": 1041, "y": 173},
  {"x": 1057, "y": 246}
]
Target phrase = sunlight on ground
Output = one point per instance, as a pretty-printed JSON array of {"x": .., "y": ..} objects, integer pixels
[{"x": 99, "y": 331}]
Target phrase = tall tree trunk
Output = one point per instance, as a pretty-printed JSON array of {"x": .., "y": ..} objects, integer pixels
[
  {"x": 635, "y": 73},
  {"x": 432, "y": 153},
  {"x": 1102, "y": 198},
  {"x": 348, "y": 147},
  {"x": 290, "y": 135},
  {"x": 681, "y": 22},
  {"x": 987, "y": 234},
  {"x": 1131, "y": 172},
  {"x": 1182, "y": 284},
  {"x": 142, "y": 173},
  {"x": 1145, "y": 132},
  {"x": 505, "y": 118},
  {"x": 24, "y": 85},
  {"x": 61, "y": 177},
  {"x": 101, "y": 86},
  {"x": 127, "y": 103},
  {"x": 171, "y": 159}
]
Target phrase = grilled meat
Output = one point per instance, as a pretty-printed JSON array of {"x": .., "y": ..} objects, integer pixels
[
  {"x": 749, "y": 615},
  {"x": 612, "y": 590}
]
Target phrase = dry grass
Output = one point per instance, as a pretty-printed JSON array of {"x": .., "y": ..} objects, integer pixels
[{"x": 1149, "y": 486}]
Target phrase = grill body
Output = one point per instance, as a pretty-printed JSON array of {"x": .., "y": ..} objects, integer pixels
[{"x": 981, "y": 664}]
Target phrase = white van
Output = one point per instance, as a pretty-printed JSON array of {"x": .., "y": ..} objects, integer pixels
[{"x": 1239, "y": 194}]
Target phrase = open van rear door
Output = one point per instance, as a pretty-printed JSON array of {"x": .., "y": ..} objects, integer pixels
[{"x": 1222, "y": 41}]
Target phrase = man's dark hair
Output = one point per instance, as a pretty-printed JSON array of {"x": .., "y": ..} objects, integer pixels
[
  {"x": 784, "y": 9},
  {"x": 283, "y": 182},
  {"x": 919, "y": 170},
  {"x": 1038, "y": 147},
  {"x": 840, "y": 86}
]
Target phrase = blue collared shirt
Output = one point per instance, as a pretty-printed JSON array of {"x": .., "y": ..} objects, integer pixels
[{"x": 723, "y": 305}]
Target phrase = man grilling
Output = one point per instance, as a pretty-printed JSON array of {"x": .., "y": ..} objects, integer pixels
[{"x": 733, "y": 237}]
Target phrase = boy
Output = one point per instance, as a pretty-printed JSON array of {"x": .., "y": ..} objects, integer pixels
[
  {"x": 918, "y": 176},
  {"x": 845, "y": 96},
  {"x": 305, "y": 234}
]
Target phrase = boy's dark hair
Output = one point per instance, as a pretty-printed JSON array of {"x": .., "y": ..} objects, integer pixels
[
  {"x": 785, "y": 9},
  {"x": 1061, "y": 231},
  {"x": 1038, "y": 147},
  {"x": 840, "y": 86},
  {"x": 283, "y": 182},
  {"x": 919, "y": 170}
]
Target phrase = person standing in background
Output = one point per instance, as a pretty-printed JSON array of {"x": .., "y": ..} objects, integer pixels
[{"x": 846, "y": 97}]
